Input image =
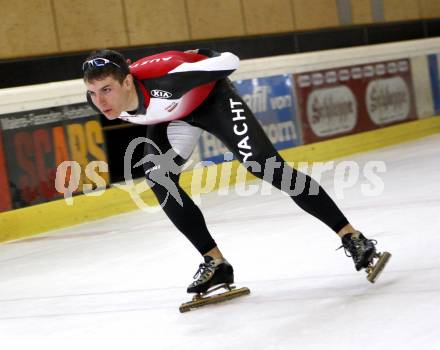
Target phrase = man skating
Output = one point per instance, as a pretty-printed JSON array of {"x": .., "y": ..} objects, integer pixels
[{"x": 179, "y": 94}]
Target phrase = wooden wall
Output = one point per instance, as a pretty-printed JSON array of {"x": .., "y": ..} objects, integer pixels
[
  {"x": 361, "y": 11},
  {"x": 429, "y": 8},
  {"x": 45, "y": 27},
  {"x": 27, "y": 30},
  {"x": 398, "y": 10}
]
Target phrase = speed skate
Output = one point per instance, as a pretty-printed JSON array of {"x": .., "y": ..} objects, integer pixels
[
  {"x": 202, "y": 299},
  {"x": 376, "y": 265}
]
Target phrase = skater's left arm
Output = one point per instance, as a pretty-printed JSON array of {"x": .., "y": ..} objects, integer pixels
[
  {"x": 218, "y": 65},
  {"x": 187, "y": 75}
]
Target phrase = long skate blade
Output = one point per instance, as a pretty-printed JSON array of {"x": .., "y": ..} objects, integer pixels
[
  {"x": 378, "y": 267},
  {"x": 213, "y": 299}
]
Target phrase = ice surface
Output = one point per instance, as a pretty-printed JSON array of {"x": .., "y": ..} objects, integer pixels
[{"x": 117, "y": 283}]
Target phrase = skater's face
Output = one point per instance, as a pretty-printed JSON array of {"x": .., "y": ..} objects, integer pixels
[{"x": 110, "y": 96}]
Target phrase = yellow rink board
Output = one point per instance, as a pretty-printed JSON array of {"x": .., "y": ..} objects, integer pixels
[{"x": 41, "y": 218}]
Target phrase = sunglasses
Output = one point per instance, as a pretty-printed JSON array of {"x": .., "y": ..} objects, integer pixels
[{"x": 97, "y": 63}]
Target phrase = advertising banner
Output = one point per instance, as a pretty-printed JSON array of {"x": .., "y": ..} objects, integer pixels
[
  {"x": 38, "y": 141},
  {"x": 348, "y": 100},
  {"x": 5, "y": 194},
  {"x": 433, "y": 63},
  {"x": 271, "y": 100}
]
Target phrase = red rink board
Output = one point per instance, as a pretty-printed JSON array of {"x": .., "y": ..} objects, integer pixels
[
  {"x": 342, "y": 101},
  {"x": 5, "y": 195}
]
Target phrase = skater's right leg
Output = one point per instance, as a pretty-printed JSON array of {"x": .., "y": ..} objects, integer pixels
[
  {"x": 162, "y": 172},
  {"x": 211, "y": 272},
  {"x": 214, "y": 253},
  {"x": 180, "y": 138}
]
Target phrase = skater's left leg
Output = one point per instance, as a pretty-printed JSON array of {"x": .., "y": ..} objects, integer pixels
[{"x": 228, "y": 117}]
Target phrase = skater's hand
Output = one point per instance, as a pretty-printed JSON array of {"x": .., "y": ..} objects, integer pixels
[{"x": 192, "y": 51}]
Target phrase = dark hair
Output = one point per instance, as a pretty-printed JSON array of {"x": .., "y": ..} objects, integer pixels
[{"x": 119, "y": 69}]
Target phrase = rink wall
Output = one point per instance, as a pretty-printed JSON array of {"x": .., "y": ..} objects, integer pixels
[{"x": 314, "y": 107}]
